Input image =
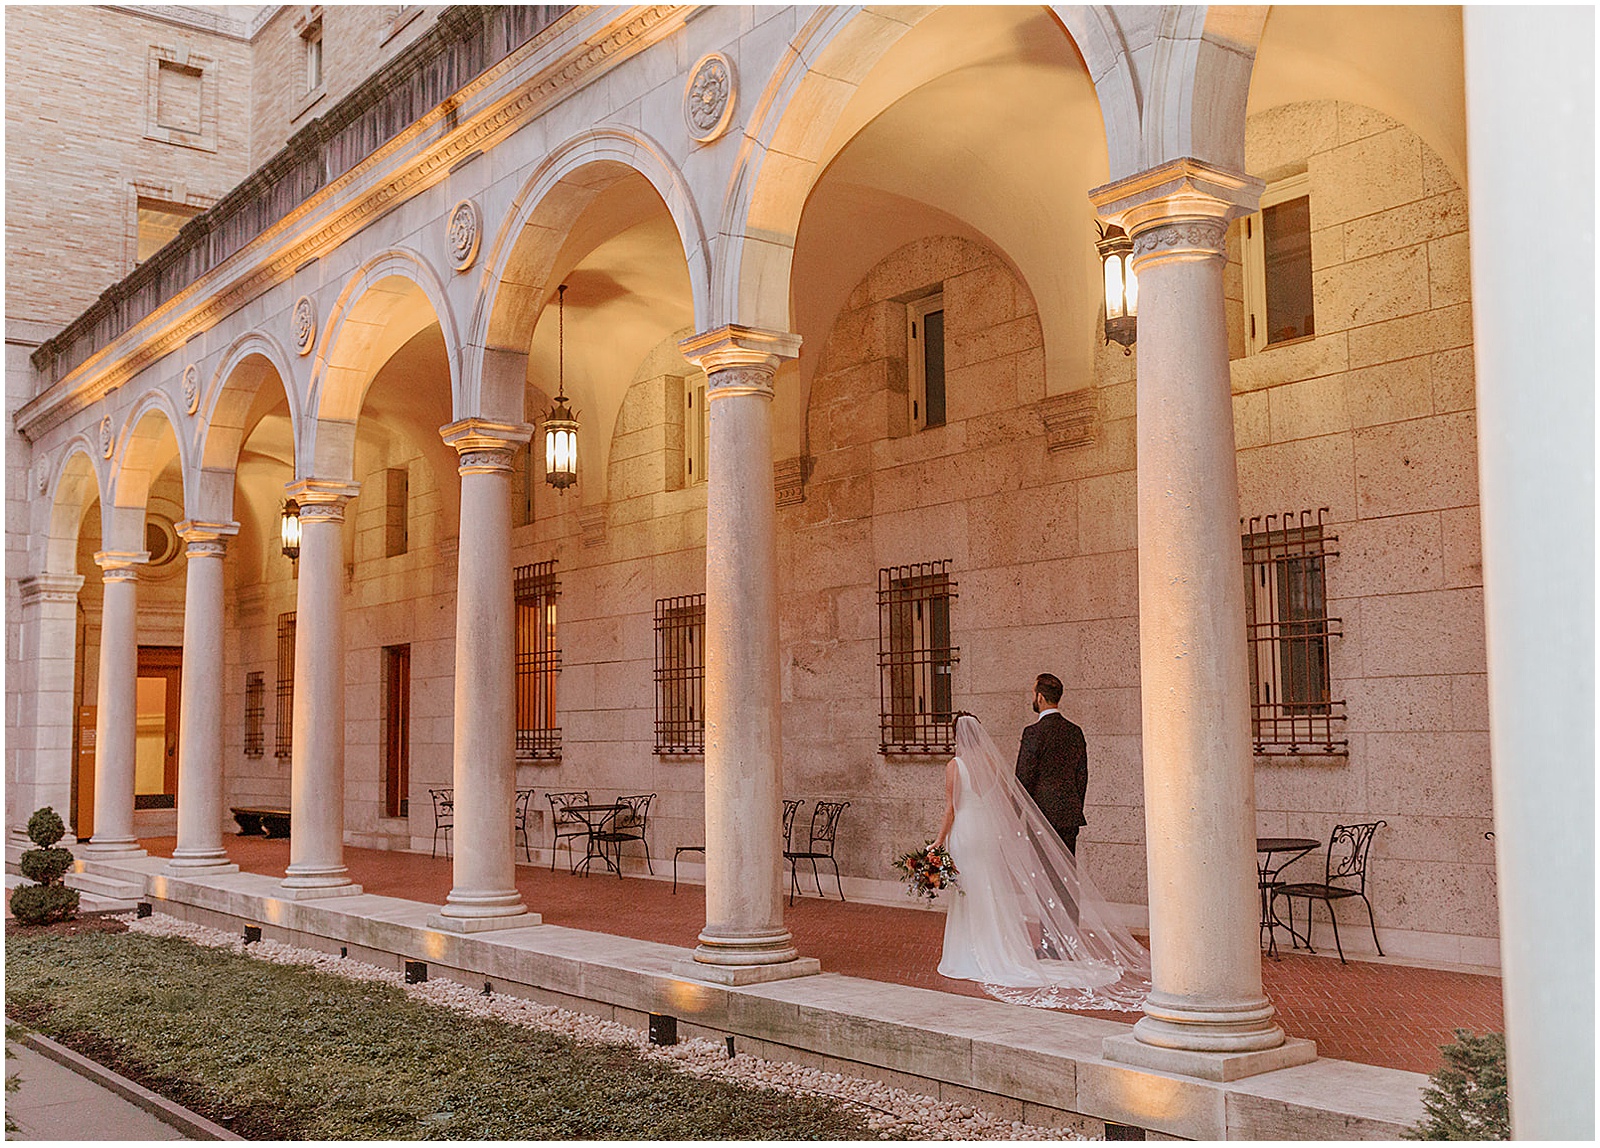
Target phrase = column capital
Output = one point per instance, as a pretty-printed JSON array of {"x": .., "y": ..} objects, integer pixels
[
  {"x": 732, "y": 347},
  {"x": 1181, "y": 207},
  {"x": 322, "y": 500},
  {"x": 120, "y": 565},
  {"x": 485, "y": 446},
  {"x": 205, "y": 539},
  {"x": 47, "y": 587}
]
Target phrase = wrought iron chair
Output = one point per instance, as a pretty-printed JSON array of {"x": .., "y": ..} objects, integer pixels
[
  {"x": 1344, "y": 876},
  {"x": 524, "y": 800},
  {"x": 444, "y": 817},
  {"x": 824, "y": 832},
  {"x": 630, "y": 824},
  {"x": 564, "y": 824},
  {"x": 790, "y": 807}
]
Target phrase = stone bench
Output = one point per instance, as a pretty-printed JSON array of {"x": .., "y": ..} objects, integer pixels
[{"x": 253, "y": 820}]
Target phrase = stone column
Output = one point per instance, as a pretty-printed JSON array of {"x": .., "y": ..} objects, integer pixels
[
  {"x": 1199, "y": 782},
  {"x": 200, "y": 741},
  {"x": 316, "y": 763},
  {"x": 1530, "y": 186},
  {"x": 116, "y": 732},
  {"x": 49, "y": 604},
  {"x": 744, "y": 938},
  {"x": 484, "y": 889}
]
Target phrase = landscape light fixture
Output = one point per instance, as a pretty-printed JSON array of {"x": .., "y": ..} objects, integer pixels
[
  {"x": 1122, "y": 286},
  {"x": 560, "y": 427}
]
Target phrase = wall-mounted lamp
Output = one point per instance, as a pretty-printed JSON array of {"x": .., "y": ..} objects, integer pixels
[
  {"x": 1122, "y": 286},
  {"x": 289, "y": 529},
  {"x": 560, "y": 427}
]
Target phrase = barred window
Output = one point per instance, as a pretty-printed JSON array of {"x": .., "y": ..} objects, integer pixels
[
  {"x": 255, "y": 713},
  {"x": 915, "y": 658},
  {"x": 285, "y": 723},
  {"x": 538, "y": 661},
  {"x": 1292, "y": 708},
  {"x": 680, "y": 674}
]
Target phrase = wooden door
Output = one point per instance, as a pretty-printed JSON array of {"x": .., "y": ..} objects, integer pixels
[{"x": 397, "y": 730}]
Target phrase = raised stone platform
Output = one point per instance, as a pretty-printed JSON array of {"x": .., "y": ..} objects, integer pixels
[{"x": 1040, "y": 1066}]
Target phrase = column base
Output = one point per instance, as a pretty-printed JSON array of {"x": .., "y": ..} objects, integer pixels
[
  {"x": 288, "y": 892},
  {"x": 757, "y": 947},
  {"x": 1218, "y": 1066},
  {"x": 522, "y": 920},
  {"x": 1177, "y": 1022},
  {"x": 105, "y": 851},
  {"x": 697, "y": 970},
  {"x": 199, "y": 866}
]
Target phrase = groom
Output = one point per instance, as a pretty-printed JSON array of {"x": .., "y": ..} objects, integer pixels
[{"x": 1053, "y": 763}]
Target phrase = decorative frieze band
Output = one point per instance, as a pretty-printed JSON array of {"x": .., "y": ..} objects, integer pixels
[
  {"x": 206, "y": 548},
  {"x": 322, "y": 511},
  {"x": 733, "y": 381},
  {"x": 1072, "y": 419},
  {"x": 1182, "y": 237},
  {"x": 483, "y": 461}
]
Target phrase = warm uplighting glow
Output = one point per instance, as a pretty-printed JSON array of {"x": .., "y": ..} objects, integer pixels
[
  {"x": 560, "y": 427},
  {"x": 1121, "y": 287},
  {"x": 289, "y": 529}
]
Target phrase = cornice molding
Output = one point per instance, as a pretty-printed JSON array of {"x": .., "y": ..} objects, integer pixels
[{"x": 390, "y": 178}]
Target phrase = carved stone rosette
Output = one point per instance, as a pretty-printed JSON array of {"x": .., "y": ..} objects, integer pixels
[
  {"x": 708, "y": 100},
  {"x": 191, "y": 389},
  {"x": 107, "y": 442},
  {"x": 305, "y": 324},
  {"x": 464, "y": 232}
]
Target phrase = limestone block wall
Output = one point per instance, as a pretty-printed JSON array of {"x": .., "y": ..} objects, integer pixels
[{"x": 1373, "y": 418}]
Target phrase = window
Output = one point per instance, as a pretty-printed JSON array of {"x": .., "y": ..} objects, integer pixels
[
  {"x": 177, "y": 96},
  {"x": 925, "y": 361},
  {"x": 696, "y": 432},
  {"x": 255, "y": 713},
  {"x": 1277, "y": 266},
  {"x": 396, "y": 510},
  {"x": 680, "y": 674},
  {"x": 312, "y": 39},
  {"x": 538, "y": 661},
  {"x": 915, "y": 658},
  {"x": 1292, "y": 710},
  {"x": 396, "y": 730},
  {"x": 285, "y": 723},
  {"x": 159, "y": 224}
]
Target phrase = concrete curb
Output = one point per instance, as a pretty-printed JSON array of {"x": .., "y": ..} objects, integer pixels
[{"x": 194, "y": 1126}]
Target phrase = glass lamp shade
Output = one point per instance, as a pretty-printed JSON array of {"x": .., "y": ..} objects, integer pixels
[
  {"x": 289, "y": 529},
  {"x": 561, "y": 447},
  {"x": 1121, "y": 286}
]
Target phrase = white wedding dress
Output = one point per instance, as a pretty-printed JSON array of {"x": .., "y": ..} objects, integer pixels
[{"x": 1023, "y": 922}]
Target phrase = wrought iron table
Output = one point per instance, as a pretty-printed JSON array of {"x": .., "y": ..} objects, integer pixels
[
  {"x": 1290, "y": 850},
  {"x": 594, "y": 818}
]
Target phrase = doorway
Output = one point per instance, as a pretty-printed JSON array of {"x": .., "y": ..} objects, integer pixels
[
  {"x": 397, "y": 731},
  {"x": 156, "y": 721}
]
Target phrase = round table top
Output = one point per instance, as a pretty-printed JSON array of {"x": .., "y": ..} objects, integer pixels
[
  {"x": 597, "y": 808},
  {"x": 1284, "y": 844}
]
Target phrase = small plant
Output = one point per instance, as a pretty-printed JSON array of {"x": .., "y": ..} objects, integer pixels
[
  {"x": 49, "y": 900},
  {"x": 13, "y": 1080},
  {"x": 1467, "y": 1098}
]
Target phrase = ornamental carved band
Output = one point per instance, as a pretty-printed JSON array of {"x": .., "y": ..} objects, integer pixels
[
  {"x": 119, "y": 574},
  {"x": 708, "y": 101},
  {"x": 305, "y": 324},
  {"x": 322, "y": 511},
  {"x": 480, "y": 460},
  {"x": 191, "y": 389},
  {"x": 464, "y": 232},
  {"x": 732, "y": 381},
  {"x": 206, "y": 548},
  {"x": 1188, "y": 237}
]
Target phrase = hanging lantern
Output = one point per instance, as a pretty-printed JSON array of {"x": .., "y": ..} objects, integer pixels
[
  {"x": 560, "y": 426},
  {"x": 1122, "y": 287},
  {"x": 289, "y": 529}
]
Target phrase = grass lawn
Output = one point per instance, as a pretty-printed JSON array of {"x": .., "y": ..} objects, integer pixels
[{"x": 279, "y": 1052}]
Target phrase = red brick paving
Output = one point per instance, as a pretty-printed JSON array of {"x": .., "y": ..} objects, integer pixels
[{"x": 1383, "y": 1014}]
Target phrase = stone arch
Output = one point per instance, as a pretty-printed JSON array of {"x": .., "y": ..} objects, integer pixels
[
  {"x": 517, "y": 286},
  {"x": 390, "y": 299},
  {"x": 135, "y": 461},
  {"x": 224, "y": 412},
  {"x": 75, "y": 485},
  {"x": 1199, "y": 85}
]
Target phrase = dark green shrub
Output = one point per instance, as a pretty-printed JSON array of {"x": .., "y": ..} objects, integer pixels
[
  {"x": 1467, "y": 1098},
  {"x": 45, "y": 827},
  {"x": 46, "y": 866},
  {"x": 43, "y": 904},
  {"x": 49, "y": 900}
]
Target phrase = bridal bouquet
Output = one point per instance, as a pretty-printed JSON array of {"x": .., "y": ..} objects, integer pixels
[{"x": 928, "y": 871}]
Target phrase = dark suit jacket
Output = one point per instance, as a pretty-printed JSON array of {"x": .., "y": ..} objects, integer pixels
[{"x": 1053, "y": 766}]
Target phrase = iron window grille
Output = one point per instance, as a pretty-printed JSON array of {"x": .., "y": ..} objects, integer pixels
[
  {"x": 1292, "y": 708},
  {"x": 915, "y": 659},
  {"x": 255, "y": 713},
  {"x": 681, "y": 675},
  {"x": 538, "y": 661},
  {"x": 285, "y": 723}
]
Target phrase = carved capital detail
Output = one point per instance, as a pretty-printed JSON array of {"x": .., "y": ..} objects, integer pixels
[
  {"x": 464, "y": 232},
  {"x": 212, "y": 548},
  {"x": 789, "y": 477},
  {"x": 120, "y": 565},
  {"x": 49, "y": 588},
  {"x": 322, "y": 500},
  {"x": 732, "y": 381},
  {"x": 305, "y": 324},
  {"x": 191, "y": 389},
  {"x": 730, "y": 346},
  {"x": 592, "y": 522},
  {"x": 486, "y": 461},
  {"x": 1072, "y": 419},
  {"x": 1182, "y": 237},
  {"x": 205, "y": 539}
]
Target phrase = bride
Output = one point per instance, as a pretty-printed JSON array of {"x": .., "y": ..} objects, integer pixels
[{"x": 1025, "y": 923}]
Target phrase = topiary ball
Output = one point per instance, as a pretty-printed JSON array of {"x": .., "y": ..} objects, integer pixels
[
  {"x": 46, "y": 866},
  {"x": 45, "y": 827},
  {"x": 43, "y": 904}
]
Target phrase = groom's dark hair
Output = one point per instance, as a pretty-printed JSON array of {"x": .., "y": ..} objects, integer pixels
[{"x": 1049, "y": 688}]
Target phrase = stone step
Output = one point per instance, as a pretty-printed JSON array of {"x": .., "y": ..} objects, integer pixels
[
  {"x": 87, "y": 902},
  {"x": 106, "y": 887}
]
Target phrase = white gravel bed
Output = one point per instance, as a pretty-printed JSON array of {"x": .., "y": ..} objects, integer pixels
[{"x": 884, "y": 1109}]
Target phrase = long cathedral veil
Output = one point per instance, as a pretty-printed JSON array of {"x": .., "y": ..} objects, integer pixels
[{"x": 1087, "y": 959}]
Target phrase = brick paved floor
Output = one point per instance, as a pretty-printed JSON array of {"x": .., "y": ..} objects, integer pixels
[{"x": 1384, "y": 1014}]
